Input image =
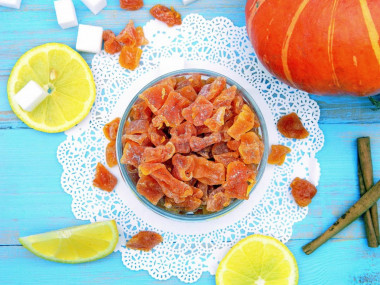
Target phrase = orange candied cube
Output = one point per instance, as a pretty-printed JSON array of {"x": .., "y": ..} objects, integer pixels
[
  {"x": 302, "y": 191},
  {"x": 104, "y": 179},
  {"x": 290, "y": 126},
  {"x": 145, "y": 241},
  {"x": 277, "y": 154},
  {"x": 130, "y": 57},
  {"x": 110, "y": 129}
]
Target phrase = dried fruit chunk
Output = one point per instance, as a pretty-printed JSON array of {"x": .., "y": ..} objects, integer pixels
[
  {"x": 205, "y": 152},
  {"x": 233, "y": 145},
  {"x": 216, "y": 122},
  {"x": 251, "y": 148},
  {"x": 141, "y": 40},
  {"x": 277, "y": 154},
  {"x": 183, "y": 167},
  {"x": 104, "y": 179},
  {"x": 128, "y": 35},
  {"x": 150, "y": 189},
  {"x": 290, "y": 126},
  {"x": 132, "y": 154},
  {"x": 158, "y": 154},
  {"x": 111, "y": 154},
  {"x": 208, "y": 172},
  {"x": 199, "y": 111},
  {"x": 188, "y": 92},
  {"x": 181, "y": 136},
  {"x": 237, "y": 104},
  {"x": 197, "y": 143},
  {"x": 171, "y": 81},
  {"x": 136, "y": 127},
  {"x": 196, "y": 82},
  {"x": 141, "y": 139},
  {"x": 157, "y": 137},
  {"x": 140, "y": 111},
  {"x": 169, "y": 16},
  {"x": 108, "y": 34},
  {"x": 224, "y": 132},
  {"x": 171, "y": 186},
  {"x": 204, "y": 90},
  {"x": 171, "y": 112},
  {"x": 303, "y": 191},
  {"x": 156, "y": 96},
  {"x": 238, "y": 178},
  {"x": 225, "y": 98},
  {"x": 130, "y": 57},
  {"x": 216, "y": 87},
  {"x": 244, "y": 122},
  {"x": 110, "y": 129},
  {"x": 203, "y": 130},
  {"x": 111, "y": 45},
  {"x": 219, "y": 148},
  {"x": 131, "y": 5},
  {"x": 217, "y": 200},
  {"x": 144, "y": 240},
  {"x": 227, "y": 158},
  {"x": 229, "y": 115}
]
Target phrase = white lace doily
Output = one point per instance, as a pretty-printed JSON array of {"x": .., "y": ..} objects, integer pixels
[{"x": 190, "y": 248}]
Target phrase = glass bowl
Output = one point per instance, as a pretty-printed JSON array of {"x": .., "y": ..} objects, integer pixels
[{"x": 131, "y": 180}]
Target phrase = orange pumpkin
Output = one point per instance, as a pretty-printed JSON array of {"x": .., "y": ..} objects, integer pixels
[{"x": 319, "y": 46}]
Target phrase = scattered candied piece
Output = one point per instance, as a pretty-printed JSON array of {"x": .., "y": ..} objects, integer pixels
[
  {"x": 150, "y": 189},
  {"x": 183, "y": 167},
  {"x": 196, "y": 82},
  {"x": 141, "y": 40},
  {"x": 217, "y": 200},
  {"x": 197, "y": 143},
  {"x": 225, "y": 98},
  {"x": 128, "y": 35},
  {"x": 155, "y": 96},
  {"x": 111, "y": 45},
  {"x": 227, "y": 158},
  {"x": 144, "y": 240},
  {"x": 131, "y": 5},
  {"x": 290, "y": 126},
  {"x": 216, "y": 87},
  {"x": 140, "y": 111},
  {"x": 132, "y": 154},
  {"x": 110, "y": 129},
  {"x": 237, "y": 104},
  {"x": 233, "y": 145},
  {"x": 136, "y": 127},
  {"x": 199, "y": 111},
  {"x": 111, "y": 154},
  {"x": 158, "y": 154},
  {"x": 169, "y": 16},
  {"x": 181, "y": 136},
  {"x": 302, "y": 191},
  {"x": 171, "y": 186},
  {"x": 188, "y": 92},
  {"x": 237, "y": 180},
  {"x": 216, "y": 122},
  {"x": 104, "y": 179},
  {"x": 243, "y": 123},
  {"x": 157, "y": 137},
  {"x": 208, "y": 172},
  {"x": 130, "y": 57},
  {"x": 108, "y": 34},
  {"x": 277, "y": 154},
  {"x": 220, "y": 148},
  {"x": 141, "y": 139},
  {"x": 251, "y": 148}
]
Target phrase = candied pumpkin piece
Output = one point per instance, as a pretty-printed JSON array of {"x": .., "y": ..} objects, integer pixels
[
  {"x": 302, "y": 191},
  {"x": 141, "y": 40},
  {"x": 204, "y": 90},
  {"x": 144, "y": 240},
  {"x": 108, "y": 34},
  {"x": 111, "y": 154},
  {"x": 192, "y": 203},
  {"x": 140, "y": 111},
  {"x": 150, "y": 189},
  {"x": 219, "y": 148},
  {"x": 243, "y": 123},
  {"x": 224, "y": 132},
  {"x": 251, "y": 148},
  {"x": 290, "y": 126},
  {"x": 217, "y": 200},
  {"x": 225, "y": 98},
  {"x": 128, "y": 35},
  {"x": 233, "y": 145},
  {"x": 204, "y": 188},
  {"x": 203, "y": 130},
  {"x": 216, "y": 122},
  {"x": 111, "y": 45},
  {"x": 136, "y": 127},
  {"x": 205, "y": 152},
  {"x": 181, "y": 136},
  {"x": 237, "y": 104},
  {"x": 183, "y": 167},
  {"x": 199, "y": 111},
  {"x": 188, "y": 92},
  {"x": 227, "y": 158},
  {"x": 130, "y": 57},
  {"x": 155, "y": 96},
  {"x": 196, "y": 82},
  {"x": 110, "y": 129},
  {"x": 229, "y": 115},
  {"x": 182, "y": 82},
  {"x": 197, "y": 143},
  {"x": 132, "y": 154},
  {"x": 141, "y": 139},
  {"x": 158, "y": 154},
  {"x": 104, "y": 179},
  {"x": 171, "y": 81},
  {"x": 216, "y": 87},
  {"x": 277, "y": 154},
  {"x": 208, "y": 172},
  {"x": 169, "y": 16},
  {"x": 157, "y": 137},
  {"x": 238, "y": 178},
  {"x": 131, "y": 5},
  {"x": 171, "y": 186}
]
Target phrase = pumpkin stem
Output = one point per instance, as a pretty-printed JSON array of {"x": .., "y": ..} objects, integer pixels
[{"x": 375, "y": 102}]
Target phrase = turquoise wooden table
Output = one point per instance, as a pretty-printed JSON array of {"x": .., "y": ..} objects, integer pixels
[{"x": 32, "y": 201}]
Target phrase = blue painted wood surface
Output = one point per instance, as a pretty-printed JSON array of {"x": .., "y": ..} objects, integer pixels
[{"x": 32, "y": 201}]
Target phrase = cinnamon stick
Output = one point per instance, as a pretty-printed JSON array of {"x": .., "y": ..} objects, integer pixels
[
  {"x": 362, "y": 205},
  {"x": 370, "y": 232},
  {"x": 365, "y": 160}
]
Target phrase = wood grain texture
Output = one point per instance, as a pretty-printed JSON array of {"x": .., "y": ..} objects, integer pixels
[{"x": 32, "y": 200}]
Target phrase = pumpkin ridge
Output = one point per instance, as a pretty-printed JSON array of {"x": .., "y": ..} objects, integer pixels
[{"x": 330, "y": 40}]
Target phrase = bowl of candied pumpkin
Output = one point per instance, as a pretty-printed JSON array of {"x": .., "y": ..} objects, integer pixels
[{"x": 192, "y": 145}]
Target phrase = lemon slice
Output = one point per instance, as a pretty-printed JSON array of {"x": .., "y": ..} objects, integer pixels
[
  {"x": 65, "y": 75},
  {"x": 258, "y": 260},
  {"x": 76, "y": 244}
]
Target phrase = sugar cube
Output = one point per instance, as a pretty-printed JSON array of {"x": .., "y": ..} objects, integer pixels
[
  {"x": 90, "y": 38},
  {"x": 95, "y": 5},
  {"x": 187, "y": 2},
  {"x": 11, "y": 3},
  {"x": 66, "y": 15},
  {"x": 30, "y": 96}
]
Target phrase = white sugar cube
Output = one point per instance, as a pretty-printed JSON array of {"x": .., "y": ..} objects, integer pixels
[
  {"x": 187, "y": 2},
  {"x": 90, "y": 38},
  {"x": 95, "y": 5},
  {"x": 11, "y": 3},
  {"x": 30, "y": 96},
  {"x": 66, "y": 15}
]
